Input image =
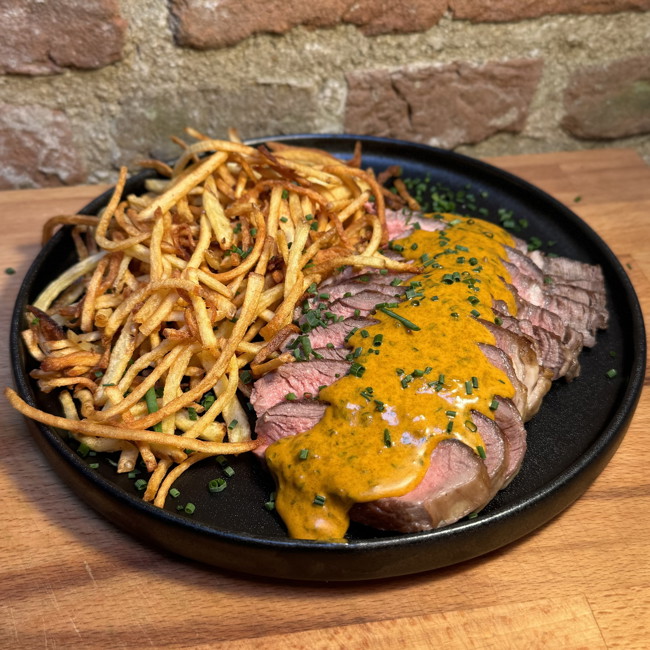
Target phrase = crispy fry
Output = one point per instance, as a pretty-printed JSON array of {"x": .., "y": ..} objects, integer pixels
[
  {"x": 73, "y": 219},
  {"x": 118, "y": 433}
]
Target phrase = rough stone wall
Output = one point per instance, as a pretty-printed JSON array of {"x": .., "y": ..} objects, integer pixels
[{"x": 89, "y": 85}]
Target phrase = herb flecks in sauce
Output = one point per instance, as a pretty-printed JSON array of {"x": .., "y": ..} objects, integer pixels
[{"x": 421, "y": 376}]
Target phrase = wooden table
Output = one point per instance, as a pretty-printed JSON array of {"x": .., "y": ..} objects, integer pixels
[{"x": 68, "y": 579}]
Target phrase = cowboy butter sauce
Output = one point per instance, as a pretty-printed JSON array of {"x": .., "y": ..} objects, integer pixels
[{"x": 415, "y": 378}]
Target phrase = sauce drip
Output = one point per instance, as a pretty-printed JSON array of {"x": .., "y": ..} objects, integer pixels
[{"x": 418, "y": 375}]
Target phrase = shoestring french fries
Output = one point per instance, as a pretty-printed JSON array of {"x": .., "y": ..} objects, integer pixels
[{"x": 182, "y": 295}]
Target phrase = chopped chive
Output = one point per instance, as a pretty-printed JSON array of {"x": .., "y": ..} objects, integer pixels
[
  {"x": 304, "y": 454},
  {"x": 475, "y": 382},
  {"x": 217, "y": 485},
  {"x": 152, "y": 405},
  {"x": 398, "y": 317},
  {"x": 387, "y": 439},
  {"x": 494, "y": 405},
  {"x": 290, "y": 397},
  {"x": 468, "y": 387},
  {"x": 611, "y": 373},
  {"x": 140, "y": 484},
  {"x": 481, "y": 451},
  {"x": 207, "y": 402},
  {"x": 471, "y": 426},
  {"x": 319, "y": 500},
  {"x": 189, "y": 508},
  {"x": 174, "y": 493}
]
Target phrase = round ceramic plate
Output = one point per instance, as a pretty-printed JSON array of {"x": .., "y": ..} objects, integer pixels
[{"x": 570, "y": 441}]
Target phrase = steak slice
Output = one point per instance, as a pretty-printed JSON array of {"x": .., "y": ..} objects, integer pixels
[
  {"x": 334, "y": 333},
  {"x": 455, "y": 484},
  {"x": 518, "y": 263},
  {"x": 571, "y": 271},
  {"x": 552, "y": 354},
  {"x": 510, "y": 423},
  {"x": 400, "y": 223},
  {"x": 580, "y": 316},
  {"x": 501, "y": 360},
  {"x": 297, "y": 379},
  {"x": 287, "y": 419},
  {"x": 525, "y": 363},
  {"x": 496, "y": 450},
  {"x": 351, "y": 288}
]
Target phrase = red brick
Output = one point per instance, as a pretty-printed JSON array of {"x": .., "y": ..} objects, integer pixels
[
  {"x": 508, "y": 10},
  {"x": 37, "y": 148},
  {"x": 219, "y": 23},
  {"x": 445, "y": 105},
  {"x": 45, "y": 37},
  {"x": 609, "y": 101},
  {"x": 145, "y": 124}
]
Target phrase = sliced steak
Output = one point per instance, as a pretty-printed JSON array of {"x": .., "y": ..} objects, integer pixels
[
  {"x": 510, "y": 423},
  {"x": 584, "y": 318},
  {"x": 334, "y": 333},
  {"x": 296, "y": 379},
  {"x": 525, "y": 364},
  {"x": 456, "y": 484},
  {"x": 519, "y": 264},
  {"x": 287, "y": 419},
  {"x": 358, "y": 305},
  {"x": 570, "y": 271},
  {"x": 323, "y": 299},
  {"x": 400, "y": 223},
  {"x": 501, "y": 360},
  {"x": 552, "y": 354},
  {"x": 560, "y": 305},
  {"x": 495, "y": 448}
]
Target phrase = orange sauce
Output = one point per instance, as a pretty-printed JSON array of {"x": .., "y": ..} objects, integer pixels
[{"x": 418, "y": 374}]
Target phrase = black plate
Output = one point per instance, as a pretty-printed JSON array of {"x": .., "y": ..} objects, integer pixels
[{"x": 570, "y": 440}]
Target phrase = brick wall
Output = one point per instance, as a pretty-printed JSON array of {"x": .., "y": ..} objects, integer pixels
[{"x": 88, "y": 85}]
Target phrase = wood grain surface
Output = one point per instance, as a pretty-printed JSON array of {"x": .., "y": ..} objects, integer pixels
[{"x": 69, "y": 579}]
